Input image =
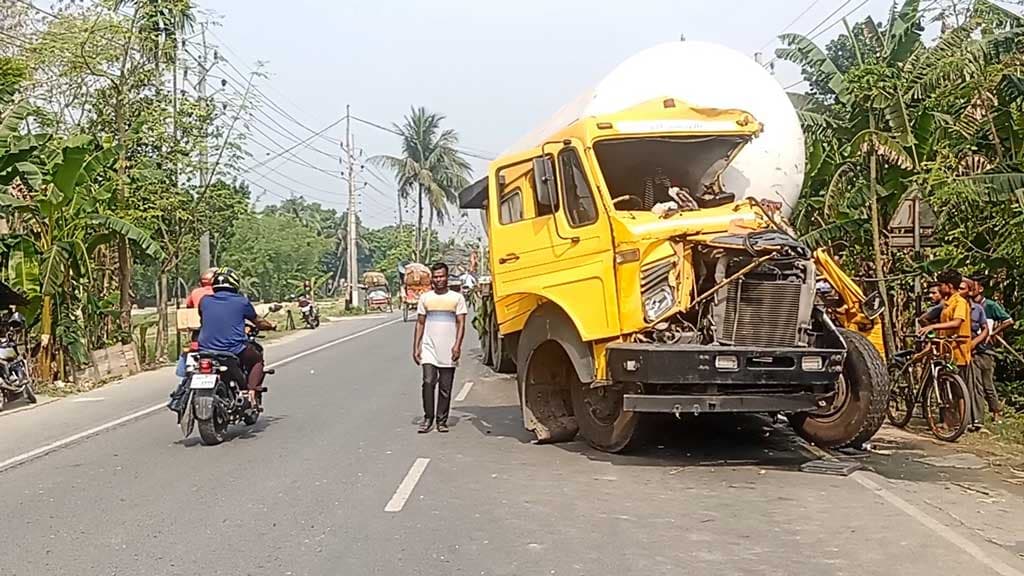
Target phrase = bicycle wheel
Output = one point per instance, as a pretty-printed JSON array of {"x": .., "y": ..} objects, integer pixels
[{"x": 946, "y": 405}]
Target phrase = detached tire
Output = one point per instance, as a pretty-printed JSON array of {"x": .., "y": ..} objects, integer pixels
[{"x": 861, "y": 400}]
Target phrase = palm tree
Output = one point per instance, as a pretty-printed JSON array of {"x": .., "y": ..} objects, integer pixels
[{"x": 430, "y": 165}]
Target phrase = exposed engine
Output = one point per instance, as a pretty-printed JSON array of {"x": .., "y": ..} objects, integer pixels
[{"x": 755, "y": 289}]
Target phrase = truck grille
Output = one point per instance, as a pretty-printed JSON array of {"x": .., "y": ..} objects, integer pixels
[
  {"x": 762, "y": 314},
  {"x": 654, "y": 276}
]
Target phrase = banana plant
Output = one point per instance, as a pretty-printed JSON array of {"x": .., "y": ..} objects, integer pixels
[{"x": 57, "y": 211}]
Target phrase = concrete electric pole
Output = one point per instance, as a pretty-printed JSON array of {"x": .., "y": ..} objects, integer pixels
[
  {"x": 352, "y": 256},
  {"x": 204, "y": 238}
]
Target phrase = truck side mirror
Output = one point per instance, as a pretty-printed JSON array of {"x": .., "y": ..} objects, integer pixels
[
  {"x": 873, "y": 305},
  {"x": 544, "y": 181}
]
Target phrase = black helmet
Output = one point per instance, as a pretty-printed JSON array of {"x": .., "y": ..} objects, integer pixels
[{"x": 226, "y": 279}]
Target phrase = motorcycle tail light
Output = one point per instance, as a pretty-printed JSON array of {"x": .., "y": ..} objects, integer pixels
[{"x": 206, "y": 366}]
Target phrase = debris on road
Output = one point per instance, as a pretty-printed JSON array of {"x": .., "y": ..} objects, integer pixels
[
  {"x": 961, "y": 461},
  {"x": 830, "y": 467}
]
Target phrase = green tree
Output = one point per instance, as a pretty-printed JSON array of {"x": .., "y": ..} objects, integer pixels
[{"x": 272, "y": 252}]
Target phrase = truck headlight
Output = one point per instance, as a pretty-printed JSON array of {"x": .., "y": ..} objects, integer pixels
[{"x": 657, "y": 302}]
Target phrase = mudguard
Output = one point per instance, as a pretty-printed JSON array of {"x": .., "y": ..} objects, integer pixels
[
  {"x": 549, "y": 322},
  {"x": 202, "y": 405}
]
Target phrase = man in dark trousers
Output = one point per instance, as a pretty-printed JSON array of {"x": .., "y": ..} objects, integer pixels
[
  {"x": 437, "y": 345},
  {"x": 985, "y": 357}
]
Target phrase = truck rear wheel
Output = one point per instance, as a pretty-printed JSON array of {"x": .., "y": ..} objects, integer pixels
[
  {"x": 599, "y": 414},
  {"x": 860, "y": 403}
]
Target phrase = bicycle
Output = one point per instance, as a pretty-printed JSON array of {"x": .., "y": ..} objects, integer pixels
[{"x": 925, "y": 375}]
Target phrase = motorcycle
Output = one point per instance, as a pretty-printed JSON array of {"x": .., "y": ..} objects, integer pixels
[
  {"x": 310, "y": 313},
  {"x": 14, "y": 379},
  {"x": 216, "y": 395}
]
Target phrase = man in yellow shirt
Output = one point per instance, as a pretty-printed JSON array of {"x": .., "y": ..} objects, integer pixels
[{"x": 955, "y": 322}]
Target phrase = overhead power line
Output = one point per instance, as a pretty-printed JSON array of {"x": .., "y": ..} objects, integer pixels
[
  {"x": 461, "y": 149},
  {"x": 790, "y": 25}
]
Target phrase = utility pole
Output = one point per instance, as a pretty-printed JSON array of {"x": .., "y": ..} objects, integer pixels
[
  {"x": 352, "y": 256},
  {"x": 204, "y": 238}
]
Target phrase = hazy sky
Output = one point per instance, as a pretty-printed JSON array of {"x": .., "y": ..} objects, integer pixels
[{"x": 495, "y": 69}]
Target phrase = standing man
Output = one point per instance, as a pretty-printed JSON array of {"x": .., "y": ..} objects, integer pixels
[
  {"x": 931, "y": 315},
  {"x": 998, "y": 321},
  {"x": 437, "y": 345},
  {"x": 979, "y": 334},
  {"x": 955, "y": 322}
]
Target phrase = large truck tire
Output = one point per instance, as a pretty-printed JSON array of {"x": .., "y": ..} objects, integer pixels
[
  {"x": 599, "y": 415},
  {"x": 861, "y": 401}
]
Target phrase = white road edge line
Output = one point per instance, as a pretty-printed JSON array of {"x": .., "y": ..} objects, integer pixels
[
  {"x": 947, "y": 533},
  {"x": 937, "y": 527},
  {"x": 32, "y": 454},
  {"x": 408, "y": 484},
  {"x": 464, "y": 392}
]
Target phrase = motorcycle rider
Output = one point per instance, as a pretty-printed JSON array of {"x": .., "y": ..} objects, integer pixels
[
  {"x": 204, "y": 289},
  {"x": 223, "y": 315}
]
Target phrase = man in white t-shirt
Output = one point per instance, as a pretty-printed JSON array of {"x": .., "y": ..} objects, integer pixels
[{"x": 437, "y": 345}]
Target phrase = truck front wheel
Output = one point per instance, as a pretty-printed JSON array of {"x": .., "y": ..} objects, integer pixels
[
  {"x": 859, "y": 407},
  {"x": 600, "y": 417}
]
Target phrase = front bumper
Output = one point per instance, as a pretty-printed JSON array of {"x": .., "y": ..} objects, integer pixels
[{"x": 690, "y": 378}]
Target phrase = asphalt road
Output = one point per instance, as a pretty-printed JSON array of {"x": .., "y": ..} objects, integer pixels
[{"x": 334, "y": 480}]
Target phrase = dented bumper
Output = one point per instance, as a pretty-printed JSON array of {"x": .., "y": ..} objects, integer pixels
[{"x": 694, "y": 378}]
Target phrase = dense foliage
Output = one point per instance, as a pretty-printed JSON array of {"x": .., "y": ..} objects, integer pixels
[{"x": 888, "y": 115}]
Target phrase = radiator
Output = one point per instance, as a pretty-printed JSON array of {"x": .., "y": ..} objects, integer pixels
[{"x": 761, "y": 313}]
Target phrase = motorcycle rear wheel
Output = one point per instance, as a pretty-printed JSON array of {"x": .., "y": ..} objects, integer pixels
[
  {"x": 211, "y": 431},
  {"x": 30, "y": 394}
]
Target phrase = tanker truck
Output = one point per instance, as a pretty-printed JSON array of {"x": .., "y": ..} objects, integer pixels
[{"x": 641, "y": 262}]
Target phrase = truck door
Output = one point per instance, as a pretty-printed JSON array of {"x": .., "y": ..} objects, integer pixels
[{"x": 561, "y": 249}]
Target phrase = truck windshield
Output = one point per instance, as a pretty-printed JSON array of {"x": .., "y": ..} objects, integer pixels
[{"x": 640, "y": 171}]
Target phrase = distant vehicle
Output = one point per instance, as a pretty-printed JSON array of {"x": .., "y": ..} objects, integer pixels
[
  {"x": 310, "y": 313},
  {"x": 378, "y": 293},
  {"x": 416, "y": 281},
  {"x": 14, "y": 377}
]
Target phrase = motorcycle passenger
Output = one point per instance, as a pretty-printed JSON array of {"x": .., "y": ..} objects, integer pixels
[{"x": 223, "y": 315}]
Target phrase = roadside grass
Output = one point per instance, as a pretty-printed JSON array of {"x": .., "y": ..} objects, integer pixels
[{"x": 1010, "y": 428}]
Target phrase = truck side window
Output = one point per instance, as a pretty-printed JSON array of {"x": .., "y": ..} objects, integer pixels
[
  {"x": 511, "y": 207},
  {"x": 580, "y": 207}
]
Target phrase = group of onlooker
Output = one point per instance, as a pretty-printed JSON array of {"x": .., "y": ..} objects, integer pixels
[{"x": 960, "y": 310}]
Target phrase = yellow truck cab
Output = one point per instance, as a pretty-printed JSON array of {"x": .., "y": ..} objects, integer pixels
[{"x": 625, "y": 279}]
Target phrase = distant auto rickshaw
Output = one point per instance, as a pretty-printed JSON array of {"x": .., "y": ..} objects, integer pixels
[
  {"x": 378, "y": 293},
  {"x": 416, "y": 281}
]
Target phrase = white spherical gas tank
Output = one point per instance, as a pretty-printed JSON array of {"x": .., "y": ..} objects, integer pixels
[{"x": 707, "y": 75}]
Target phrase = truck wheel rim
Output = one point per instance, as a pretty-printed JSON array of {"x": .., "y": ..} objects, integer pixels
[
  {"x": 839, "y": 401},
  {"x": 602, "y": 406}
]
